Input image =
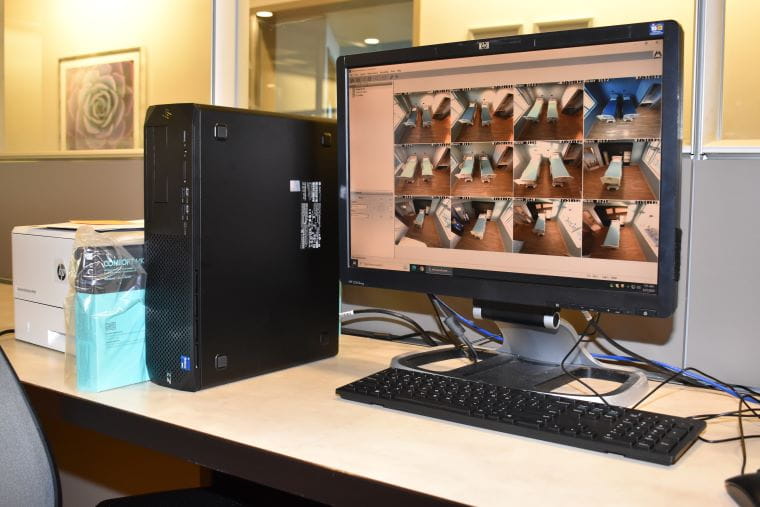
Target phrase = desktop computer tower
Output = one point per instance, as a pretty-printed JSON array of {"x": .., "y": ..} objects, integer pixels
[{"x": 241, "y": 245}]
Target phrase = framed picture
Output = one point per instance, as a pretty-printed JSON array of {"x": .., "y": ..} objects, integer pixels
[{"x": 101, "y": 100}]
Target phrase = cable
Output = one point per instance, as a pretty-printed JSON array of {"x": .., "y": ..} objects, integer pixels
[
  {"x": 457, "y": 330},
  {"x": 724, "y": 440},
  {"x": 634, "y": 355},
  {"x": 747, "y": 389},
  {"x": 733, "y": 413},
  {"x": 441, "y": 328},
  {"x": 727, "y": 388},
  {"x": 500, "y": 339},
  {"x": 572, "y": 375},
  {"x": 7, "y": 331},
  {"x": 658, "y": 386},
  {"x": 714, "y": 382},
  {"x": 424, "y": 334},
  {"x": 385, "y": 336},
  {"x": 742, "y": 440},
  {"x": 484, "y": 332},
  {"x": 723, "y": 386}
]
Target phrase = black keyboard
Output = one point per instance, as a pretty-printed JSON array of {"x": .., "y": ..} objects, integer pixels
[{"x": 636, "y": 434}]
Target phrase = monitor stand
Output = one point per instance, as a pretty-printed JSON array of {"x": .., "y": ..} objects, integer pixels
[{"x": 530, "y": 359}]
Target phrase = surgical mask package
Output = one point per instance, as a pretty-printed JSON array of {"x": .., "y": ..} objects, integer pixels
[{"x": 106, "y": 310}]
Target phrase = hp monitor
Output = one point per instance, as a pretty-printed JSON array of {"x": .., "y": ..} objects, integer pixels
[{"x": 538, "y": 170}]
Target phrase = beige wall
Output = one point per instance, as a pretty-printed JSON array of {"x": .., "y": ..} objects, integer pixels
[
  {"x": 450, "y": 20},
  {"x": 741, "y": 102},
  {"x": 175, "y": 36}
]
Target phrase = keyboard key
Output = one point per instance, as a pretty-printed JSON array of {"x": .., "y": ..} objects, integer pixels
[{"x": 530, "y": 423}]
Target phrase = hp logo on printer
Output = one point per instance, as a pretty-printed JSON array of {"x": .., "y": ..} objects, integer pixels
[
  {"x": 484, "y": 45},
  {"x": 60, "y": 271}
]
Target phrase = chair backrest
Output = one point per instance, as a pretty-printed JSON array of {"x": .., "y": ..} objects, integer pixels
[{"x": 28, "y": 475}]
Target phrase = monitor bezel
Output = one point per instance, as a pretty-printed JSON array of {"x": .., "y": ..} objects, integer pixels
[{"x": 533, "y": 289}]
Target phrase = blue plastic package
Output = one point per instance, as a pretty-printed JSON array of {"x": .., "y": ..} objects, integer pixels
[{"x": 109, "y": 317}]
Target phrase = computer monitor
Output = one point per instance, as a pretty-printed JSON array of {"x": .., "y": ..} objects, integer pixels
[{"x": 538, "y": 170}]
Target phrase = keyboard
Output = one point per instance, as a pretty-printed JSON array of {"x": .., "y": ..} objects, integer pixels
[{"x": 636, "y": 434}]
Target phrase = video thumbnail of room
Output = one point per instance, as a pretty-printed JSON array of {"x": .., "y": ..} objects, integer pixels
[
  {"x": 624, "y": 170},
  {"x": 422, "y": 117},
  {"x": 548, "y": 170},
  {"x": 481, "y": 224},
  {"x": 481, "y": 169},
  {"x": 422, "y": 222},
  {"x": 482, "y": 115},
  {"x": 548, "y": 112},
  {"x": 422, "y": 169},
  {"x": 623, "y": 108},
  {"x": 547, "y": 227},
  {"x": 621, "y": 230}
]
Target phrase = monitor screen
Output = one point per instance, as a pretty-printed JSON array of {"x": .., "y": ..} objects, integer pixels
[{"x": 538, "y": 169}]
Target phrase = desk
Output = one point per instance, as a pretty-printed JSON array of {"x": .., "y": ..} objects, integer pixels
[{"x": 288, "y": 430}]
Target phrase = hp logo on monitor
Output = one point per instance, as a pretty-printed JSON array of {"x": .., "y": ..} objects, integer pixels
[{"x": 484, "y": 45}]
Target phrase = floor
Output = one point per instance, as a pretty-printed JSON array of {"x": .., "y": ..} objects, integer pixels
[
  {"x": 551, "y": 243},
  {"x": 629, "y": 249},
  {"x": 491, "y": 241},
  {"x": 646, "y": 125},
  {"x": 501, "y": 129},
  {"x": 427, "y": 234},
  {"x": 438, "y": 132},
  {"x": 567, "y": 127},
  {"x": 499, "y": 186},
  {"x": 439, "y": 184},
  {"x": 544, "y": 188},
  {"x": 634, "y": 186}
]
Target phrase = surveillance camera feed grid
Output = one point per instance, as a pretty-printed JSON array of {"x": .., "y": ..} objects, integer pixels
[{"x": 533, "y": 168}]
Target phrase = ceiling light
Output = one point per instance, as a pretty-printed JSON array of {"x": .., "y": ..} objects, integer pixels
[
  {"x": 264, "y": 14},
  {"x": 371, "y": 41}
]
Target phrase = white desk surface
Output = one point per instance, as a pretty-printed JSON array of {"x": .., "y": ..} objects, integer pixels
[{"x": 296, "y": 413}]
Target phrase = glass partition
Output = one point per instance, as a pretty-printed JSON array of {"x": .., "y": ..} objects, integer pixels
[
  {"x": 293, "y": 51},
  {"x": 741, "y": 102}
]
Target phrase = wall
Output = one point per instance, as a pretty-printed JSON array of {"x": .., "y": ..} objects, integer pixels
[
  {"x": 723, "y": 272},
  {"x": 505, "y": 228},
  {"x": 740, "y": 101},
  {"x": 520, "y": 160},
  {"x": 451, "y": 20},
  {"x": 48, "y": 191},
  {"x": 175, "y": 36},
  {"x": 652, "y": 180}
]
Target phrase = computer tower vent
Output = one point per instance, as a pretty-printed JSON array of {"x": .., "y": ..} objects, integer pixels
[{"x": 169, "y": 303}]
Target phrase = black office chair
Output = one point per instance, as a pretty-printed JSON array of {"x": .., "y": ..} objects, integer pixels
[{"x": 29, "y": 477}]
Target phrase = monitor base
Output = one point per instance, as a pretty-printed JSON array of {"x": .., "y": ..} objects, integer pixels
[{"x": 530, "y": 359}]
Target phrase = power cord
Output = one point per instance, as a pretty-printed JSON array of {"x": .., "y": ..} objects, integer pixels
[
  {"x": 383, "y": 336},
  {"x": 436, "y": 313},
  {"x": 425, "y": 335},
  {"x": 7, "y": 331},
  {"x": 470, "y": 324},
  {"x": 453, "y": 325},
  {"x": 569, "y": 352},
  {"x": 710, "y": 381}
]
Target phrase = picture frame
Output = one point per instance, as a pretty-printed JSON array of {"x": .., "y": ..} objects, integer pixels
[{"x": 101, "y": 100}]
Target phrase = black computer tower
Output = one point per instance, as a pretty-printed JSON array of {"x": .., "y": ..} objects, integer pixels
[{"x": 241, "y": 245}]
